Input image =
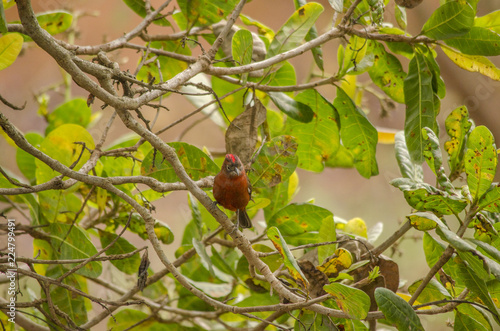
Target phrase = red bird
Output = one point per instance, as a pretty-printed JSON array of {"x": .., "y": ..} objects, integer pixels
[{"x": 232, "y": 189}]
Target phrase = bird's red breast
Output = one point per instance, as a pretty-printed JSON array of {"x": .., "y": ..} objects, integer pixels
[
  {"x": 231, "y": 193},
  {"x": 231, "y": 185}
]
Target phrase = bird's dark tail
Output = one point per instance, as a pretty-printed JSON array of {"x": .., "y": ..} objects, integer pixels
[{"x": 243, "y": 219}]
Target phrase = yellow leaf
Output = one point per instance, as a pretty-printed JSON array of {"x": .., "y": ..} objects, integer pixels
[
  {"x": 406, "y": 298},
  {"x": 356, "y": 226},
  {"x": 349, "y": 85},
  {"x": 473, "y": 63},
  {"x": 293, "y": 184},
  {"x": 7, "y": 138},
  {"x": 10, "y": 47},
  {"x": 340, "y": 261},
  {"x": 386, "y": 135}
]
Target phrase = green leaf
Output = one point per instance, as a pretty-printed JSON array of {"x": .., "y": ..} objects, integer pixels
[
  {"x": 8, "y": 3},
  {"x": 275, "y": 163},
  {"x": 262, "y": 29},
  {"x": 55, "y": 22},
  {"x": 60, "y": 145},
  {"x": 204, "y": 258},
  {"x": 300, "y": 223},
  {"x": 464, "y": 322},
  {"x": 482, "y": 265},
  {"x": 293, "y": 32},
  {"x": 424, "y": 197},
  {"x": 288, "y": 259},
  {"x": 26, "y": 161},
  {"x": 196, "y": 214},
  {"x": 434, "y": 291},
  {"x": 478, "y": 41},
  {"x": 337, "y": 5},
  {"x": 400, "y": 14},
  {"x": 341, "y": 159},
  {"x": 190, "y": 233},
  {"x": 473, "y": 63},
  {"x": 490, "y": 21},
  {"x": 387, "y": 72},
  {"x": 490, "y": 201},
  {"x": 232, "y": 105},
  {"x": 317, "y": 52},
  {"x": 76, "y": 245},
  {"x": 358, "y": 134},
  {"x": 408, "y": 168},
  {"x": 453, "y": 239},
  {"x": 205, "y": 12},
  {"x": 127, "y": 318},
  {"x": 273, "y": 261},
  {"x": 3, "y": 21},
  {"x": 494, "y": 290},
  {"x": 438, "y": 85},
  {"x": 139, "y": 7},
  {"x": 489, "y": 249},
  {"x": 75, "y": 111},
  {"x": 222, "y": 263},
  {"x": 397, "y": 311},
  {"x": 327, "y": 232},
  {"x": 480, "y": 161},
  {"x": 477, "y": 286},
  {"x": 130, "y": 265},
  {"x": 450, "y": 20},
  {"x": 362, "y": 12},
  {"x": 280, "y": 195},
  {"x": 294, "y": 109},
  {"x": 34, "y": 208},
  {"x": 284, "y": 76},
  {"x": 433, "y": 249},
  {"x": 354, "y": 59},
  {"x": 197, "y": 164},
  {"x": 242, "y": 48},
  {"x": 420, "y": 109},
  {"x": 163, "y": 232},
  {"x": 457, "y": 126},
  {"x": 169, "y": 66},
  {"x": 10, "y": 47},
  {"x": 73, "y": 305},
  {"x": 319, "y": 138},
  {"x": 312, "y": 321},
  {"x": 434, "y": 159},
  {"x": 424, "y": 221},
  {"x": 479, "y": 319},
  {"x": 398, "y": 47},
  {"x": 352, "y": 301}
]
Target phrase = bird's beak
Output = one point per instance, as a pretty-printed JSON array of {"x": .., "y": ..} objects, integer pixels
[{"x": 237, "y": 171}]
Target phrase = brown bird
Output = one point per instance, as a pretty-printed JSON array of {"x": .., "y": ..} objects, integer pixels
[{"x": 232, "y": 189}]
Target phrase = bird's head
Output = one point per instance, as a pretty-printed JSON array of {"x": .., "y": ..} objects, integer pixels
[{"x": 232, "y": 166}]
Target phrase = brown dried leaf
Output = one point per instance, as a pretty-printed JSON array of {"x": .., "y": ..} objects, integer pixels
[
  {"x": 316, "y": 278},
  {"x": 241, "y": 135},
  {"x": 390, "y": 270}
]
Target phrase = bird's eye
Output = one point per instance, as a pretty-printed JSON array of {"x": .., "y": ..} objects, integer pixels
[{"x": 228, "y": 168}]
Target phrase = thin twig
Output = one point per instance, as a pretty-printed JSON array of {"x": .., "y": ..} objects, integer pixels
[
  {"x": 10, "y": 105},
  {"x": 90, "y": 259}
]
